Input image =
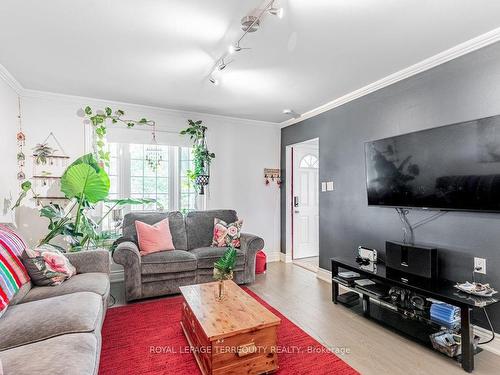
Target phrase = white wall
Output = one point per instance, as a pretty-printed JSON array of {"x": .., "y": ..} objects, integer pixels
[
  {"x": 243, "y": 149},
  {"x": 8, "y": 150}
]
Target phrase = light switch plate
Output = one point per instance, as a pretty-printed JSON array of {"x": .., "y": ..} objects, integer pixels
[
  {"x": 323, "y": 186},
  {"x": 329, "y": 186}
]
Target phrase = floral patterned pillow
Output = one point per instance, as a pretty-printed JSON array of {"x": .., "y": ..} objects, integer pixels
[
  {"x": 227, "y": 234},
  {"x": 47, "y": 265}
]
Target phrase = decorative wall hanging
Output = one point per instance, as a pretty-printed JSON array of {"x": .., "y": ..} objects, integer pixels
[
  {"x": 272, "y": 175},
  {"x": 202, "y": 157},
  {"x": 21, "y": 142},
  {"x": 49, "y": 162},
  {"x": 154, "y": 153}
]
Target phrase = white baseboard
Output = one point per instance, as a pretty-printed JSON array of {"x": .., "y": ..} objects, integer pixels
[
  {"x": 485, "y": 334},
  {"x": 285, "y": 258},
  {"x": 273, "y": 256}
]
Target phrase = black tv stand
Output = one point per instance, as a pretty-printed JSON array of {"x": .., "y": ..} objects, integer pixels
[{"x": 443, "y": 290}]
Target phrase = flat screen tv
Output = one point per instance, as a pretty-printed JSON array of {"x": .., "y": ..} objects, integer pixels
[{"x": 453, "y": 167}]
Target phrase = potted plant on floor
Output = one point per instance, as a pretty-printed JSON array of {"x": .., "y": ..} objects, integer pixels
[{"x": 223, "y": 270}]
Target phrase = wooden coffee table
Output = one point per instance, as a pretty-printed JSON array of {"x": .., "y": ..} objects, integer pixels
[{"x": 234, "y": 336}]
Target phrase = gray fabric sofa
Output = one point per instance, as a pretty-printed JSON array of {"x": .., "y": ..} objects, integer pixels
[
  {"x": 191, "y": 262},
  {"x": 57, "y": 329}
]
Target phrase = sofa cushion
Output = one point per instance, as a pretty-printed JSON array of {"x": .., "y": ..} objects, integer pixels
[
  {"x": 227, "y": 234},
  {"x": 13, "y": 275},
  {"x": 207, "y": 256},
  {"x": 23, "y": 291},
  {"x": 175, "y": 220},
  {"x": 168, "y": 261},
  {"x": 200, "y": 226},
  {"x": 85, "y": 282},
  {"x": 26, "y": 323},
  {"x": 154, "y": 238},
  {"x": 47, "y": 265},
  {"x": 76, "y": 353}
]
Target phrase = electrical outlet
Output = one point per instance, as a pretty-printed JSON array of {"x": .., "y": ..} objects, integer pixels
[{"x": 480, "y": 265}]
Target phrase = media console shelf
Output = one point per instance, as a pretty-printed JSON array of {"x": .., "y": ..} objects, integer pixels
[{"x": 418, "y": 328}]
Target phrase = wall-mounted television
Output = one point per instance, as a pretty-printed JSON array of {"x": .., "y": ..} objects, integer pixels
[{"x": 453, "y": 167}]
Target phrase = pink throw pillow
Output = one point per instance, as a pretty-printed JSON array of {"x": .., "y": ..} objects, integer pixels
[{"x": 154, "y": 238}]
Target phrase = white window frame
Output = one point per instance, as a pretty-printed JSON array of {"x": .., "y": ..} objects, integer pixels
[{"x": 174, "y": 177}]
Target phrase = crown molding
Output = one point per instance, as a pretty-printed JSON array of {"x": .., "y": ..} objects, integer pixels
[
  {"x": 10, "y": 80},
  {"x": 459, "y": 50},
  {"x": 29, "y": 93}
]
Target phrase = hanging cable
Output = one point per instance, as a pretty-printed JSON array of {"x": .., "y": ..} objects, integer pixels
[{"x": 491, "y": 328}]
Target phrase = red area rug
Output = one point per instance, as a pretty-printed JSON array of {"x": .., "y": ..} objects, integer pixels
[{"x": 146, "y": 338}]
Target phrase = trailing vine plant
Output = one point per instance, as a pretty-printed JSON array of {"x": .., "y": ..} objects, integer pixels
[
  {"x": 202, "y": 157},
  {"x": 100, "y": 119}
]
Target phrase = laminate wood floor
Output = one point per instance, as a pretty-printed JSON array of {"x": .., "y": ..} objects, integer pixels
[{"x": 373, "y": 349}]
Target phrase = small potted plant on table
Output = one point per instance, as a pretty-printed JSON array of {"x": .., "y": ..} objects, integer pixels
[{"x": 223, "y": 270}]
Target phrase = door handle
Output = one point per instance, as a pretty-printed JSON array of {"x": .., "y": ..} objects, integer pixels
[{"x": 295, "y": 201}]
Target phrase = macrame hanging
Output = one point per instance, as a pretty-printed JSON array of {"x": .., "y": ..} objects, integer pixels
[{"x": 21, "y": 142}]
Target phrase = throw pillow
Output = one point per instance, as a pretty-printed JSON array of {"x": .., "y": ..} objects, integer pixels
[
  {"x": 154, "y": 238},
  {"x": 47, "y": 266},
  {"x": 227, "y": 234},
  {"x": 13, "y": 274}
]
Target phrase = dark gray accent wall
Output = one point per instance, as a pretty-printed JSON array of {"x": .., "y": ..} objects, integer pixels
[{"x": 464, "y": 89}]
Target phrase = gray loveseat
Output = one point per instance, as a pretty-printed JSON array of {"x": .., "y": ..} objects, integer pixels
[
  {"x": 191, "y": 262},
  {"x": 57, "y": 329}
]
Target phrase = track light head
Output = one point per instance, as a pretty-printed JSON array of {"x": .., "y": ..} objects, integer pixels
[
  {"x": 234, "y": 48},
  {"x": 214, "y": 81},
  {"x": 278, "y": 12},
  {"x": 222, "y": 65}
]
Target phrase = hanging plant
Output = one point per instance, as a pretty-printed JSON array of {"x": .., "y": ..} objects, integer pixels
[
  {"x": 202, "y": 157},
  {"x": 41, "y": 152},
  {"x": 100, "y": 119}
]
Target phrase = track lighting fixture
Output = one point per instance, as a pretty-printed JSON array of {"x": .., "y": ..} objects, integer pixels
[
  {"x": 223, "y": 64},
  {"x": 278, "y": 12},
  {"x": 249, "y": 24},
  {"x": 236, "y": 48}
]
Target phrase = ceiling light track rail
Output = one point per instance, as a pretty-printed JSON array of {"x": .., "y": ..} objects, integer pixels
[{"x": 249, "y": 24}]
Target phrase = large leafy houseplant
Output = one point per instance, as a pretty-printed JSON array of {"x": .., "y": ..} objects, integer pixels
[
  {"x": 202, "y": 157},
  {"x": 86, "y": 184}
]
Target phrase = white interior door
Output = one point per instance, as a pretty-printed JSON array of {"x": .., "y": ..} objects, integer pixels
[{"x": 305, "y": 201}]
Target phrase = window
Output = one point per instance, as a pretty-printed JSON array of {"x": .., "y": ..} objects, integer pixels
[
  {"x": 132, "y": 176},
  {"x": 309, "y": 161}
]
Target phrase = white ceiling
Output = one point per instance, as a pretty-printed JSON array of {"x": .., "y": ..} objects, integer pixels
[{"x": 160, "y": 52}]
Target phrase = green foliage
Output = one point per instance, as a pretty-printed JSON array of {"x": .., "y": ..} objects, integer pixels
[
  {"x": 85, "y": 180},
  {"x": 25, "y": 188},
  {"x": 100, "y": 120},
  {"x": 202, "y": 157},
  {"x": 86, "y": 184},
  {"x": 41, "y": 152},
  {"x": 225, "y": 265}
]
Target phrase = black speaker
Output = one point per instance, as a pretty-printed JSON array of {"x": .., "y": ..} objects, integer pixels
[{"x": 414, "y": 260}]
